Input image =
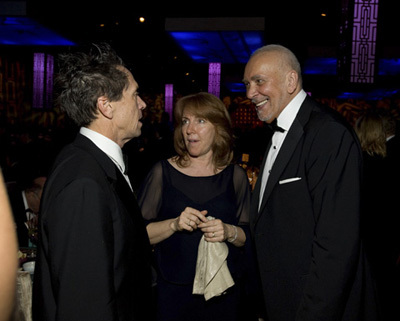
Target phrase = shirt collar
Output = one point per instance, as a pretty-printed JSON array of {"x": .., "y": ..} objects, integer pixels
[
  {"x": 288, "y": 114},
  {"x": 25, "y": 200},
  {"x": 108, "y": 146},
  {"x": 389, "y": 138}
]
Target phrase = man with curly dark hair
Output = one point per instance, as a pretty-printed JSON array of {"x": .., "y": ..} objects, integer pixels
[{"x": 93, "y": 253}]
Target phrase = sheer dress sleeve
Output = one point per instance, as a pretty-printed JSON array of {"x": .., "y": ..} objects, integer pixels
[
  {"x": 150, "y": 193},
  {"x": 242, "y": 190}
]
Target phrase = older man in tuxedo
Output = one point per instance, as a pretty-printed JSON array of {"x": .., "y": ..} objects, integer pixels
[
  {"x": 305, "y": 216},
  {"x": 93, "y": 253}
]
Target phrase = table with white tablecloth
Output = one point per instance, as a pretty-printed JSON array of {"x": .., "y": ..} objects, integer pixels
[{"x": 23, "y": 301}]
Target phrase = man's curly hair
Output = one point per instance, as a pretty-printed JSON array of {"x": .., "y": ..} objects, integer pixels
[{"x": 85, "y": 76}]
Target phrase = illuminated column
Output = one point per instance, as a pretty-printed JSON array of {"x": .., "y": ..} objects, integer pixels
[
  {"x": 48, "y": 103},
  {"x": 43, "y": 69},
  {"x": 364, "y": 41},
  {"x": 38, "y": 80},
  {"x": 169, "y": 99},
  {"x": 214, "y": 78}
]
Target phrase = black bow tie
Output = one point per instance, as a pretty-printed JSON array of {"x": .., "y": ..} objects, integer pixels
[{"x": 274, "y": 126}]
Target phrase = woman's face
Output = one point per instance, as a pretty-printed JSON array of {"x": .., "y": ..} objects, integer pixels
[{"x": 198, "y": 134}]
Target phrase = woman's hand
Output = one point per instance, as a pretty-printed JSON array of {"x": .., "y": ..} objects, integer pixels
[
  {"x": 189, "y": 220},
  {"x": 216, "y": 231}
]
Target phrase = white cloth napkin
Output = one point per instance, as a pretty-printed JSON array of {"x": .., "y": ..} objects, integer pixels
[{"x": 212, "y": 274}]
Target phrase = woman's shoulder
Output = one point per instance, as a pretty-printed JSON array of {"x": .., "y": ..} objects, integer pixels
[
  {"x": 157, "y": 169},
  {"x": 238, "y": 170},
  {"x": 153, "y": 179},
  {"x": 235, "y": 172}
]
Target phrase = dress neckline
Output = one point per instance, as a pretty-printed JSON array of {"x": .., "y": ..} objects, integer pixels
[{"x": 186, "y": 175}]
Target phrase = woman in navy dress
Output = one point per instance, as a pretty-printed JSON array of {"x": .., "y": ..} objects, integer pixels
[{"x": 177, "y": 197}]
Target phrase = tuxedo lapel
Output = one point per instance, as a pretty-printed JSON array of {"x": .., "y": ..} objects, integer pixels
[
  {"x": 125, "y": 193},
  {"x": 283, "y": 157},
  {"x": 295, "y": 133},
  {"x": 134, "y": 214},
  {"x": 256, "y": 192},
  {"x": 111, "y": 170}
]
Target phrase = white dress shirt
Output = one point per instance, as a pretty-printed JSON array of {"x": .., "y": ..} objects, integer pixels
[
  {"x": 285, "y": 120},
  {"x": 109, "y": 147},
  {"x": 29, "y": 214}
]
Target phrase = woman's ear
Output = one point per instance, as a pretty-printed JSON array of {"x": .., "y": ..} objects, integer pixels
[{"x": 104, "y": 106}]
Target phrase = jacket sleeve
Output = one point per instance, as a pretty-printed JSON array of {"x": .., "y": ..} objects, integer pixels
[{"x": 81, "y": 243}]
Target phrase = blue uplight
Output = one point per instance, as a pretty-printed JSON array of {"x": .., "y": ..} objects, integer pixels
[
  {"x": 219, "y": 46},
  {"x": 237, "y": 87},
  {"x": 389, "y": 67},
  {"x": 320, "y": 66},
  {"x": 23, "y": 31},
  {"x": 374, "y": 94}
]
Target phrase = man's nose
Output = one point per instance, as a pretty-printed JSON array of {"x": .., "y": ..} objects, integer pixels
[
  {"x": 142, "y": 104},
  {"x": 251, "y": 91}
]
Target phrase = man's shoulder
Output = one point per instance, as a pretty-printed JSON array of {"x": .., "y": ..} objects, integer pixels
[
  {"x": 327, "y": 128},
  {"x": 76, "y": 162},
  {"x": 325, "y": 117}
]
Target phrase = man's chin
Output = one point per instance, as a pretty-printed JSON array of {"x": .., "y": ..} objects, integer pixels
[
  {"x": 137, "y": 133},
  {"x": 263, "y": 117}
]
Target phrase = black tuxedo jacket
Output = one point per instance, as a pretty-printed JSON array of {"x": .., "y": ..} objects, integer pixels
[
  {"x": 94, "y": 254},
  {"x": 306, "y": 232}
]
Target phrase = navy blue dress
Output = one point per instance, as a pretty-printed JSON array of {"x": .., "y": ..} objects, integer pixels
[{"x": 166, "y": 192}]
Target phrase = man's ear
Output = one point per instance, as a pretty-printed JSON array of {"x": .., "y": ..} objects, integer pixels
[
  {"x": 104, "y": 106},
  {"x": 292, "y": 81}
]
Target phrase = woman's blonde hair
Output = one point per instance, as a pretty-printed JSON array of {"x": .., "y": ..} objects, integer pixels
[
  {"x": 211, "y": 108},
  {"x": 371, "y": 133}
]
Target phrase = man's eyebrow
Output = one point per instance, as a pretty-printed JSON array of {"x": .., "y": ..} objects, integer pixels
[{"x": 252, "y": 78}]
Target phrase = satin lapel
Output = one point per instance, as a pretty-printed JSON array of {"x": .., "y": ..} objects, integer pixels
[
  {"x": 125, "y": 193},
  {"x": 111, "y": 171},
  {"x": 296, "y": 131},
  {"x": 256, "y": 192},
  {"x": 284, "y": 155},
  {"x": 118, "y": 183},
  {"x": 128, "y": 198}
]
